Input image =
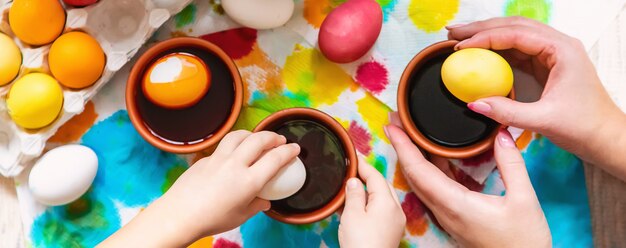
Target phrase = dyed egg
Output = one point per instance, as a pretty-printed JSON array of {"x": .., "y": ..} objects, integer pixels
[
  {"x": 176, "y": 81},
  {"x": 259, "y": 14},
  {"x": 474, "y": 73},
  {"x": 37, "y": 22},
  {"x": 35, "y": 100},
  {"x": 350, "y": 30},
  {"x": 80, "y": 3},
  {"x": 287, "y": 182},
  {"x": 63, "y": 174},
  {"x": 76, "y": 60},
  {"x": 10, "y": 59}
]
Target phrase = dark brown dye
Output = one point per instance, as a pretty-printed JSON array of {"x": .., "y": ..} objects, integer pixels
[
  {"x": 439, "y": 115},
  {"x": 325, "y": 162},
  {"x": 198, "y": 122}
]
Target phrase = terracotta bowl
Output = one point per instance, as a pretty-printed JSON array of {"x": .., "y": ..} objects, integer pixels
[
  {"x": 411, "y": 128},
  {"x": 134, "y": 85},
  {"x": 274, "y": 121}
]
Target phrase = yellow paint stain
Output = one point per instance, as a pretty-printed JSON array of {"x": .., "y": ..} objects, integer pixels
[
  {"x": 432, "y": 15},
  {"x": 266, "y": 76},
  {"x": 375, "y": 114},
  {"x": 315, "y": 11},
  {"x": 206, "y": 242},
  {"x": 524, "y": 139},
  {"x": 309, "y": 73},
  {"x": 344, "y": 123},
  {"x": 73, "y": 129},
  {"x": 399, "y": 181}
]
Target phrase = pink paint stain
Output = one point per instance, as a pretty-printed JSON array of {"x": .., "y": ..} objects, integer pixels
[
  {"x": 360, "y": 137},
  {"x": 372, "y": 76},
  {"x": 467, "y": 180},
  {"x": 415, "y": 211},
  {"x": 237, "y": 43},
  {"x": 223, "y": 243},
  {"x": 478, "y": 160}
]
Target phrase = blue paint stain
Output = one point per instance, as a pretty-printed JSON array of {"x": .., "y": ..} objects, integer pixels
[
  {"x": 387, "y": 8},
  {"x": 261, "y": 231},
  {"x": 131, "y": 172},
  {"x": 558, "y": 179},
  {"x": 330, "y": 233}
]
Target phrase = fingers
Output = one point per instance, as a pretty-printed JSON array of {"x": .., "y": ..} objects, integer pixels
[
  {"x": 231, "y": 141},
  {"x": 257, "y": 205},
  {"x": 428, "y": 182},
  {"x": 511, "y": 166},
  {"x": 377, "y": 187},
  {"x": 509, "y": 112},
  {"x": 462, "y": 32},
  {"x": 394, "y": 195},
  {"x": 272, "y": 161},
  {"x": 355, "y": 197},
  {"x": 255, "y": 144}
]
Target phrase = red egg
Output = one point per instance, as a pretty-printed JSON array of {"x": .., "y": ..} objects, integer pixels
[
  {"x": 80, "y": 3},
  {"x": 350, "y": 30}
]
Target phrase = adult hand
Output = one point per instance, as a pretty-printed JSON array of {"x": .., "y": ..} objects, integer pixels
[
  {"x": 474, "y": 219},
  {"x": 216, "y": 194},
  {"x": 372, "y": 218},
  {"x": 575, "y": 111}
]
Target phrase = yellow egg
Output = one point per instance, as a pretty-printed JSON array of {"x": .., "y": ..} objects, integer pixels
[
  {"x": 10, "y": 59},
  {"x": 176, "y": 81},
  {"x": 35, "y": 100},
  {"x": 474, "y": 73},
  {"x": 37, "y": 22},
  {"x": 76, "y": 60}
]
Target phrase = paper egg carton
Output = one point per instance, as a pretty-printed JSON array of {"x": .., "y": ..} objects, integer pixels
[{"x": 120, "y": 26}]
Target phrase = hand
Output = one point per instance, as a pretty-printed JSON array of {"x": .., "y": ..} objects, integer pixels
[
  {"x": 216, "y": 194},
  {"x": 373, "y": 218},
  {"x": 575, "y": 111},
  {"x": 474, "y": 219}
]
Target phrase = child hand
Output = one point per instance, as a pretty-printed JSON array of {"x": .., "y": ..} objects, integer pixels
[
  {"x": 575, "y": 111},
  {"x": 216, "y": 194},
  {"x": 474, "y": 219},
  {"x": 373, "y": 218}
]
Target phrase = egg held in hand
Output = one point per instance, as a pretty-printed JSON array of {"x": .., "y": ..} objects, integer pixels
[
  {"x": 474, "y": 73},
  {"x": 63, "y": 174},
  {"x": 37, "y": 22},
  {"x": 76, "y": 60},
  {"x": 35, "y": 100},
  {"x": 287, "y": 182},
  {"x": 176, "y": 81},
  {"x": 10, "y": 59}
]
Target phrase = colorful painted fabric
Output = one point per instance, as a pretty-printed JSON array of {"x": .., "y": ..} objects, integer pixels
[{"x": 282, "y": 68}]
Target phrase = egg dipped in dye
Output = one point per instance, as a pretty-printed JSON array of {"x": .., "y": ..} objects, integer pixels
[
  {"x": 474, "y": 73},
  {"x": 37, "y": 22},
  {"x": 176, "y": 81},
  {"x": 287, "y": 182},
  {"x": 35, "y": 100},
  {"x": 10, "y": 59},
  {"x": 76, "y": 60}
]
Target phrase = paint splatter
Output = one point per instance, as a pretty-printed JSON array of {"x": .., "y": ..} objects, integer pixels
[
  {"x": 432, "y": 15},
  {"x": 315, "y": 11},
  {"x": 258, "y": 71},
  {"x": 478, "y": 160},
  {"x": 308, "y": 73},
  {"x": 73, "y": 129},
  {"x": 375, "y": 114},
  {"x": 223, "y": 243},
  {"x": 524, "y": 139},
  {"x": 206, "y": 242},
  {"x": 372, "y": 76},
  {"x": 216, "y": 7},
  {"x": 379, "y": 162},
  {"x": 237, "y": 43},
  {"x": 360, "y": 137},
  {"x": 279, "y": 102},
  {"x": 539, "y": 10},
  {"x": 399, "y": 181},
  {"x": 416, "y": 222},
  {"x": 186, "y": 16},
  {"x": 466, "y": 180},
  {"x": 249, "y": 117},
  {"x": 406, "y": 244},
  {"x": 261, "y": 231},
  {"x": 330, "y": 233}
]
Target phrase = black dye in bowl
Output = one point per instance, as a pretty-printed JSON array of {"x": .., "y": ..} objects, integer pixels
[
  {"x": 324, "y": 159},
  {"x": 439, "y": 115},
  {"x": 198, "y": 122}
]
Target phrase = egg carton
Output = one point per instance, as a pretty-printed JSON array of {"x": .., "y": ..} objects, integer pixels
[{"x": 120, "y": 26}]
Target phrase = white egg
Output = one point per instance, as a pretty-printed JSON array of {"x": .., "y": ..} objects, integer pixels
[
  {"x": 286, "y": 182},
  {"x": 259, "y": 14},
  {"x": 63, "y": 174}
]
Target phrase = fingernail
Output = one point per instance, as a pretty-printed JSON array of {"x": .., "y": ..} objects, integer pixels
[
  {"x": 458, "y": 45},
  {"x": 352, "y": 183},
  {"x": 455, "y": 26},
  {"x": 505, "y": 139},
  {"x": 479, "y": 107},
  {"x": 386, "y": 131}
]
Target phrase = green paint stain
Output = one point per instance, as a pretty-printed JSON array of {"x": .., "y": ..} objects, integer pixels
[
  {"x": 324, "y": 224},
  {"x": 539, "y": 10},
  {"x": 171, "y": 176},
  {"x": 405, "y": 244},
  {"x": 279, "y": 102},
  {"x": 249, "y": 117},
  {"x": 186, "y": 16},
  {"x": 379, "y": 162},
  {"x": 53, "y": 231}
]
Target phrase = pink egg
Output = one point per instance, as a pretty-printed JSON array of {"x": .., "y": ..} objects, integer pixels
[
  {"x": 80, "y": 3},
  {"x": 350, "y": 30}
]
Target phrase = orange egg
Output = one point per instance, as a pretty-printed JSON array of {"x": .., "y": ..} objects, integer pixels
[
  {"x": 177, "y": 80},
  {"x": 76, "y": 60}
]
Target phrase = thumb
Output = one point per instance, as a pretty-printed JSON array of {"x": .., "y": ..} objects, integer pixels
[
  {"x": 510, "y": 112},
  {"x": 355, "y": 197}
]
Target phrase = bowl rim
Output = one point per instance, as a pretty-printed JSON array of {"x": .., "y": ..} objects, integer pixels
[
  {"x": 136, "y": 76},
  {"x": 348, "y": 146},
  {"x": 407, "y": 122}
]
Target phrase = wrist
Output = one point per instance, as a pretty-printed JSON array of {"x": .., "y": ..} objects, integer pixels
[{"x": 608, "y": 145}]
